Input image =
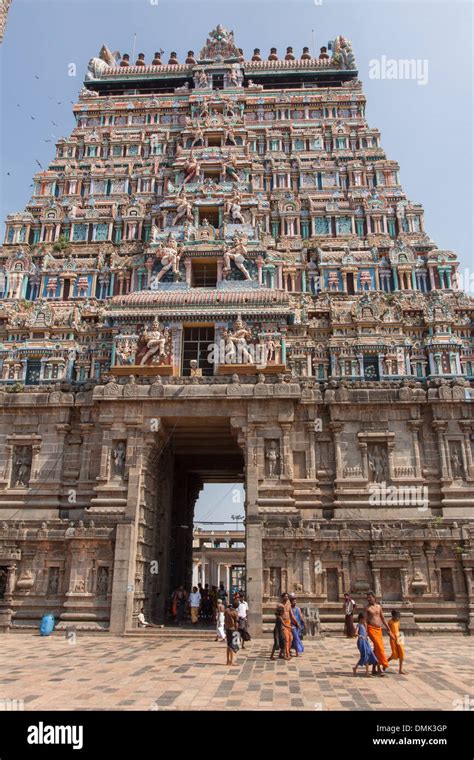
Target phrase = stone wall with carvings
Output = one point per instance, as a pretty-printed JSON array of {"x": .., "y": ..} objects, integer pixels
[{"x": 346, "y": 488}]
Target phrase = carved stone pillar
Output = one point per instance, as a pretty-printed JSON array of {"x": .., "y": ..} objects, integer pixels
[
  {"x": 10, "y": 584},
  {"x": 310, "y": 452},
  {"x": 337, "y": 428},
  {"x": 8, "y": 465},
  {"x": 35, "y": 451},
  {"x": 62, "y": 430},
  {"x": 364, "y": 459},
  {"x": 254, "y": 565},
  {"x": 414, "y": 426},
  {"x": 86, "y": 428},
  {"x": 468, "y": 575},
  {"x": 440, "y": 427},
  {"x": 286, "y": 452},
  {"x": 390, "y": 450},
  {"x": 340, "y": 583},
  {"x": 324, "y": 583},
  {"x": 105, "y": 454},
  {"x": 290, "y": 571},
  {"x": 466, "y": 426},
  {"x": 404, "y": 583},
  {"x": 346, "y": 579},
  {"x": 377, "y": 583},
  {"x": 430, "y": 562},
  {"x": 266, "y": 581},
  {"x": 306, "y": 554}
]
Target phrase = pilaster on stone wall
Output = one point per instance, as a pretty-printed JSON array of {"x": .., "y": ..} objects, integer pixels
[{"x": 124, "y": 579}]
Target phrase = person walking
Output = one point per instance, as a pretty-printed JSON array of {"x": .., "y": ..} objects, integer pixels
[
  {"x": 349, "y": 608},
  {"x": 180, "y": 601},
  {"x": 396, "y": 644},
  {"x": 287, "y": 620},
  {"x": 222, "y": 593},
  {"x": 220, "y": 631},
  {"x": 242, "y": 610},
  {"x": 195, "y": 603},
  {"x": 231, "y": 624},
  {"x": 278, "y": 639},
  {"x": 366, "y": 654},
  {"x": 375, "y": 622},
  {"x": 297, "y": 630}
]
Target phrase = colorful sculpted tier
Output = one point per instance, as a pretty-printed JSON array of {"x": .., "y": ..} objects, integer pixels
[{"x": 200, "y": 191}]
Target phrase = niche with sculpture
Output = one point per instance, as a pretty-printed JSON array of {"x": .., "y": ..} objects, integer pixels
[
  {"x": 102, "y": 582},
  {"x": 272, "y": 458},
  {"x": 456, "y": 460},
  {"x": 119, "y": 452},
  {"x": 377, "y": 458},
  {"x": 21, "y": 470}
]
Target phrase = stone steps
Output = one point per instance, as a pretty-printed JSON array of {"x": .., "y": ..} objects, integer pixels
[{"x": 166, "y": 631}]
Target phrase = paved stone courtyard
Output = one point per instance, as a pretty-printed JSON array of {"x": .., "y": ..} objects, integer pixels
[{"x": 167, "y": 673}]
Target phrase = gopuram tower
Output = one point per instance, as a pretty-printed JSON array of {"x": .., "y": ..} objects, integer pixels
[{"x": 219, "y": 278}]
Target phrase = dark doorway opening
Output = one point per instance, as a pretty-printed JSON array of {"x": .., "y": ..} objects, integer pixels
[
  {"x": 447, "y": 585},
  {"x": 198, "y": 451},
  {"x": 332, "y": 580}
]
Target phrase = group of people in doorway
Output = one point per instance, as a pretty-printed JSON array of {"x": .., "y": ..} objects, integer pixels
[
  {"x": 369, "y": 631},
  {"x": 200, "y": 605}
]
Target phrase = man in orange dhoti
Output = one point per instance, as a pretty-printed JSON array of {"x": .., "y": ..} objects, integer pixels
[
  {"x": 375, "y": 621},
  {"x": 287, "y": 620}
]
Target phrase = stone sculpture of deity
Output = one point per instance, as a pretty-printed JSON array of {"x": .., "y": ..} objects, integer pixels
[
  {"x": 118, "y": 459},
  {"x": 234, "y": 210},
  {"x": 237, "y": 254},
  {"x": 230, "y": 168},
  {"x": 456, "y": 465},
  {"x": 378, "y": 465},
  {"x": 125, "y": 351},
  {"x": 22, "y": 466},
  {"x": 102, "y": 581},
  {"x": 198, "y": 136},
  {"x": 155, "y": 340},
  {"x": 237, "y": 344},
  {"x": 191, "y": 169},
  {"x": 170, "y": 255},
  {"x": 272, "y": 455},
  {"x": 184, "y": 210}
]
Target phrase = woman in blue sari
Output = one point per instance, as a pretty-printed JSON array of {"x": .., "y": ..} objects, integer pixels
[{"x": 298, "y": 629}]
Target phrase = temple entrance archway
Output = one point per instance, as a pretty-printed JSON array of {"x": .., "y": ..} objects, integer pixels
[{"x": 196, "y": 451}]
